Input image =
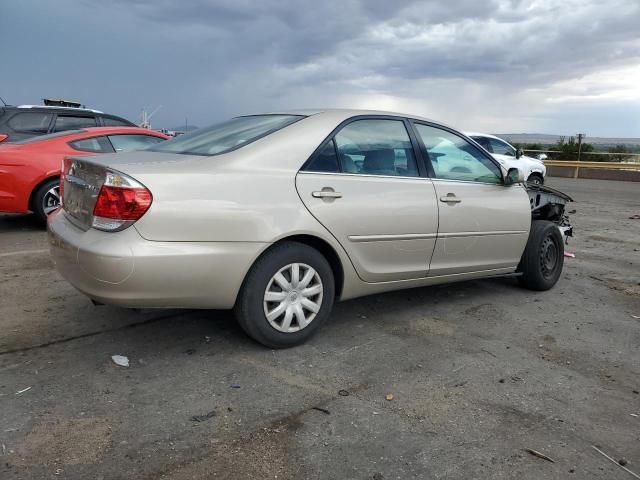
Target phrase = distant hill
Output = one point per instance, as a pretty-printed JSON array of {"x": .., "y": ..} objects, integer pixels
[{"x": 547, "y": 139}]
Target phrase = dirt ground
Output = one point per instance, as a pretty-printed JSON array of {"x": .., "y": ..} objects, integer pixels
[{"x": 479, "y": 372}]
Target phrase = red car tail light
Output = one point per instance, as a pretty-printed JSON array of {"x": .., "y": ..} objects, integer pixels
[
  {"x": 120, "y": 202},
  {"x": 3, "y": 137}
]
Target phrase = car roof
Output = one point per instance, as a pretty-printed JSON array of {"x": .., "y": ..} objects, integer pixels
[
  {"x": 55, "y": 107},
  {"x": 78, "y": 134},
  {"x": 488, "y": 135},
  {"x": 112, "y": 130},
  {"x": 346, "y": 113}
]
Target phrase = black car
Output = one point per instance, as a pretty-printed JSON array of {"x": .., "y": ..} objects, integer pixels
[{"x": 24, "y": 121}]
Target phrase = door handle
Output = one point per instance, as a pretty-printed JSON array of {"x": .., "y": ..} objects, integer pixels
[
  {"x": 326, "y": 194},
  {"x": 450, "y": 198}
]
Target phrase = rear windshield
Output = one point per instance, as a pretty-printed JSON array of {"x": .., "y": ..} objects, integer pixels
[
  {"x": 226, "y": 136},
  {"x": 40, "y": 138}
]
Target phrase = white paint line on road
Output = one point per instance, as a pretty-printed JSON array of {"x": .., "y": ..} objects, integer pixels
[{"x": 23, "y": 252}]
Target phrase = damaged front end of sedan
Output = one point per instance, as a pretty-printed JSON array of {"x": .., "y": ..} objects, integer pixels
[{"x": 550, "y": 204}]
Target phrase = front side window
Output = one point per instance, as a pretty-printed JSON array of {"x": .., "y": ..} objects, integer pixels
[
  {"x": 501, "y": 148},
  {"x": 93, "y": 144},
  {"x": 31, "y": 122},
  {"x": 70, "y": 122},
  {"x": 454, "y": 158},
  {"x": 226, "y": 136},
  {"x": 376, "y": 147},
  {"x": 127, "y": 143}
]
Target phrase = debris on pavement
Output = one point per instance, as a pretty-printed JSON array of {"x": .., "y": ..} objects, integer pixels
[
  {"x": 637, "y": 317},
  {"x": 615, "y": 461},
  {"x": 569, "y": 254},
  {"x": 343, "y": 393},
  {"x": 538, "y": 454},
  {"x": 235, "y": 386},
  {"x": 389, "y": 397},
  {"x": 203, "y": 418},
  {"x": 23, "y": 390},
  {"x": 191, "y": 351},
  {"x": 622, "y": 462},
  {"x": 207, "y": 339},
  {"x": 120, "y": 360},
  {"x": 320, "y": 409},
  {"x": 635, "y": 217}
]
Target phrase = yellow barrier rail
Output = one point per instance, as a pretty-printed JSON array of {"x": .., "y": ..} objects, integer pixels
[{"x": 600, "y": 165}]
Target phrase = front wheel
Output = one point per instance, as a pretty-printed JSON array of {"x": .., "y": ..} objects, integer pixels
[
  {"x": 536, "y": 179},
  {"x": 543, "y": 257},
  {"x": 46, "y": 199},
  {"x": 286, "y": 296}
]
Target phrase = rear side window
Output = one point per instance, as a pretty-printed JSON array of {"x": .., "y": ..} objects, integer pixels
[
  {"x": 70, "y": 122},
  {"x": 227, "y": 136},
  {"x": 127, "y": 143},
  {"x": 325, "y": 160},
  {"x": 31, "y": 122},
  {"x": 94, "y": 144},
  {"x": 114, "y": 122},
  {"x": 376, "y": 147}
]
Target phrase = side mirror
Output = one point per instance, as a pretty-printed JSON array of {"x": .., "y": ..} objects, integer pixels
[
  {"x": 514, "y": 175},
  {"x": 542, "y": 156},
  {"x": 519, "y": 153}
]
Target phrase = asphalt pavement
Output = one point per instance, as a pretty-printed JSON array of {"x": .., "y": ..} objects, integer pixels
[{"x": 455, "y": 381}]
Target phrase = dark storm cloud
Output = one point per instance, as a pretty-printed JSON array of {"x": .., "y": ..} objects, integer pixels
[{"x": 209, "y": 59}]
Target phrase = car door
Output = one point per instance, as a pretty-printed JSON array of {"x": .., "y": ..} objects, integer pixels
[
  {"x": 365, "y": 185},
  {"x": 483, "y": 224}
]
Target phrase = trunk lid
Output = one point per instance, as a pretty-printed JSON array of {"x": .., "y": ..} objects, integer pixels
[
  {"x": 83, "y": 177},
  {"x": 81, "y": 182}
]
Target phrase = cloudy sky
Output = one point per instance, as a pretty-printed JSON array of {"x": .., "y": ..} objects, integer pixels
[{"x": 538, "y": 66}]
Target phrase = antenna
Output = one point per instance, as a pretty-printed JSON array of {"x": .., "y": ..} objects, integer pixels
[
  {"x": 146, "y": 117},
  {"x": 5, "y": 103}
]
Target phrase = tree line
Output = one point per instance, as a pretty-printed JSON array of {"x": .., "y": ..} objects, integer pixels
[{"x": 567, "y": 149}]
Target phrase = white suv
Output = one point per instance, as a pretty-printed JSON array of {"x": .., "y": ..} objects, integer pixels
[{"x": 533, "y": 169}]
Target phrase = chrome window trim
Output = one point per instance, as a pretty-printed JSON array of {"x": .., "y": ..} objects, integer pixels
[
  {"x": 308, "y": 172},
  {"x": 433, "y": 179},
  {"x": 466, "y": 181}
]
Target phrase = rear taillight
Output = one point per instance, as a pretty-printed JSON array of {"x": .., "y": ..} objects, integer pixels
[
  {"x": 3, "y": 137},
  {"x": 120, "y": 202}
]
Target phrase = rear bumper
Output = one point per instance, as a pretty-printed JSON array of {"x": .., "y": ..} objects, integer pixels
[{"x": 124, "y": 269}]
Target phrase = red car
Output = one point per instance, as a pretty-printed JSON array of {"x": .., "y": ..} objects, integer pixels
[{"x": 30, "y": 169}]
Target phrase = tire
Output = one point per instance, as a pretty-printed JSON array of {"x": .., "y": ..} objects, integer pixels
[
  {"x": 45, "y": 200},
  {"x": 263, "y": 293},
  {"x": 536, "y": 179},
  {"x": 543, "y": 257}
]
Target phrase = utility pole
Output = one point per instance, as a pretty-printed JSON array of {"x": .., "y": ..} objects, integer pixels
[{"x": 580, "y": 138}]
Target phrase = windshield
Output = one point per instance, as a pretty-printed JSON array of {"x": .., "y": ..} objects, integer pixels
[{"x": 226, "y": 136}]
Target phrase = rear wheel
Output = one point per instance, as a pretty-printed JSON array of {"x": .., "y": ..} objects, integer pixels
[
  {"x": 543, "y": 257},
  {"x": 46, "y": 199},
  {"x": 286, "y": 296}
]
